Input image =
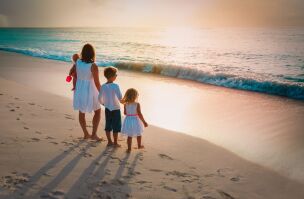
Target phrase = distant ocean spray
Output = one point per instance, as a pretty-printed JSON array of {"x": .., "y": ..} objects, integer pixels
[{"x": 263, "y": 60}]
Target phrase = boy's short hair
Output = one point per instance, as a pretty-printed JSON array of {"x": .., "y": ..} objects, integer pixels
[{"x": 109, "y": 72}]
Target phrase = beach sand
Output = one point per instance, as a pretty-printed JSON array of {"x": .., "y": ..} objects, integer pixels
[{"x": 42, "y": 154}]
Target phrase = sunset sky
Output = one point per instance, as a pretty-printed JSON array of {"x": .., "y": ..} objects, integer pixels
[{"x": 147, "y": 13}]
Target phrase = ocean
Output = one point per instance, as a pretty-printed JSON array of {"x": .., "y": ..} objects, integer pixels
[{"x": 255, "y": 59}]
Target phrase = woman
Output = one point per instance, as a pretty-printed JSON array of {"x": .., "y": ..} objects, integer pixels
[{"x": 87, "y": 90}]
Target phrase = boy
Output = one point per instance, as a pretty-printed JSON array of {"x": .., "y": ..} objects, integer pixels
[{"x": 110, "y": 96}]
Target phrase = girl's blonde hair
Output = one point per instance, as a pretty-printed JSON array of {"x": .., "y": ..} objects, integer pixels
[{"x": 130, "y": 96}]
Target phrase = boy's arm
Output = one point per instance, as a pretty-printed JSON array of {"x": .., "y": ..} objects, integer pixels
[
  {"x": 141, "y": 117},
  {"x": 118, "y": 94}
]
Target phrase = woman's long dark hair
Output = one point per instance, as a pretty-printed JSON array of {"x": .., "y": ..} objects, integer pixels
[{"x": 88, "y": 53}]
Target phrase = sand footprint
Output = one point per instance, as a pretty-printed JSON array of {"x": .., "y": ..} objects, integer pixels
[
  {"x": 35, "y": 139},
  {"x": 225, "y": 195},
  {"x": 155, "y": 170},
  {"x": 69, "y": 117},
  {"x": 164, "y": 156},
  {"x": 14, "y": 181},
  {"x": 55, "y": 143},
  {"x": 169, "y": 188}
]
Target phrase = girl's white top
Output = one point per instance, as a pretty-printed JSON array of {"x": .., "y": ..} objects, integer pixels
[
  {"x": 86, "y": 93},
  {"x": 132, "y": 125},
  {"x": 110, "y": 96}
]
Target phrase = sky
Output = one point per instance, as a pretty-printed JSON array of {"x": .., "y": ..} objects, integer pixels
[{"x": 150, "y": 13}]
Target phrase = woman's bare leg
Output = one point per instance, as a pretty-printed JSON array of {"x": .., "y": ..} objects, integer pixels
[
  {"x": 96, "y": 120},
  {"x": 83, "y": 125}
]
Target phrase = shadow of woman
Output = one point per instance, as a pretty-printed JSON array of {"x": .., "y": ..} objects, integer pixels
[
  {"x": 67, "y": 169},
  {"x": 42, "y": 172}
]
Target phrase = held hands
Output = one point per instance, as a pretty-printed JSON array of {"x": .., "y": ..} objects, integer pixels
[{"x": 145, "y": 124}]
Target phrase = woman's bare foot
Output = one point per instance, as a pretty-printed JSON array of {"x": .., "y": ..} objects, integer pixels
[
  {"x": 86, "y": 136},
  {"x": 140, "y": 147},
  {"x": 95, "y": 137},
  {"x": 110, "y": 144}
]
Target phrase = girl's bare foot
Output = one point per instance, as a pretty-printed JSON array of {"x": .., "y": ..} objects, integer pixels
[
  {"x": 86, "y": 136},
  {"x": 95, "y": 137}
]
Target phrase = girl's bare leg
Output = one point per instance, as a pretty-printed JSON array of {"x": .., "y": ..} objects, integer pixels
[
  {"x": 83, "y": 125},
  {"x": 139, "y": 145},
  {"x": 95, "y": 122},
  {"x": 129, "y": 142}
]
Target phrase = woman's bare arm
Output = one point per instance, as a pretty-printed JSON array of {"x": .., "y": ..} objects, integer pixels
[
  {"x": 73, "y": 69},
  {"x": 95, "y": 73}
]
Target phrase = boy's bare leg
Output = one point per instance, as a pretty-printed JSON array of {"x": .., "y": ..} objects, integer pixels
[
  {"x": 115, "y": 135},
  {"x": 129, "y": 143},
  {"x": 139, "y": 145},
  {"x": 108, "y": 134},
  {"x": 83, "y": 125},
  {"x": 95, "y": 122}
]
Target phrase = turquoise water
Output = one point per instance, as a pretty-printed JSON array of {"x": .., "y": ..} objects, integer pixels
[{"x": 263, "y": 60}]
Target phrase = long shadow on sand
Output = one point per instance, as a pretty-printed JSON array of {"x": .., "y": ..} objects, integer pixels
[
  {"x": 67, "y": 169},
  {"x": 21, "y": 193},
  {"x": 96, "y": 181}
]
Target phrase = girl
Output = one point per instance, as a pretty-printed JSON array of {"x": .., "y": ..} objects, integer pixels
[{"x": 134, "y": 121}]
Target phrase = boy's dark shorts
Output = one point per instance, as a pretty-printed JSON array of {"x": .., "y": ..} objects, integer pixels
[{"x": 113, "y": 120}]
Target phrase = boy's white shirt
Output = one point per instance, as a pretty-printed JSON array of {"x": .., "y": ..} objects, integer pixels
[{"x": 110, "y": 96}]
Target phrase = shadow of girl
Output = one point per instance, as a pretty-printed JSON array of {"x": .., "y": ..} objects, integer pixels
[
  {"x": 91, "y": 176},
  {"x": 119, "y": 187}
]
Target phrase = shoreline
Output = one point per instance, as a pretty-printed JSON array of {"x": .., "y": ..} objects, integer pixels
[
  {"x": 56, "y": 76},
  {"x": 55, "y": 163},
  {"x": 272, "y": 88}
]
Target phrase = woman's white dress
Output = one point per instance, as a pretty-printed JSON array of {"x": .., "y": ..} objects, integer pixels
[
  {"x": 132, "y": 125},
  {"x": 86, "y": 93}
]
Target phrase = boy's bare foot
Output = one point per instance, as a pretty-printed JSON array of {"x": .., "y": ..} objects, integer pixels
[
  {"x": 87, "y": 136},
  {"x": 95, "y": 137},
  {"x": 116, "y": 145},
  {"x": 141, "y": 147}
]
